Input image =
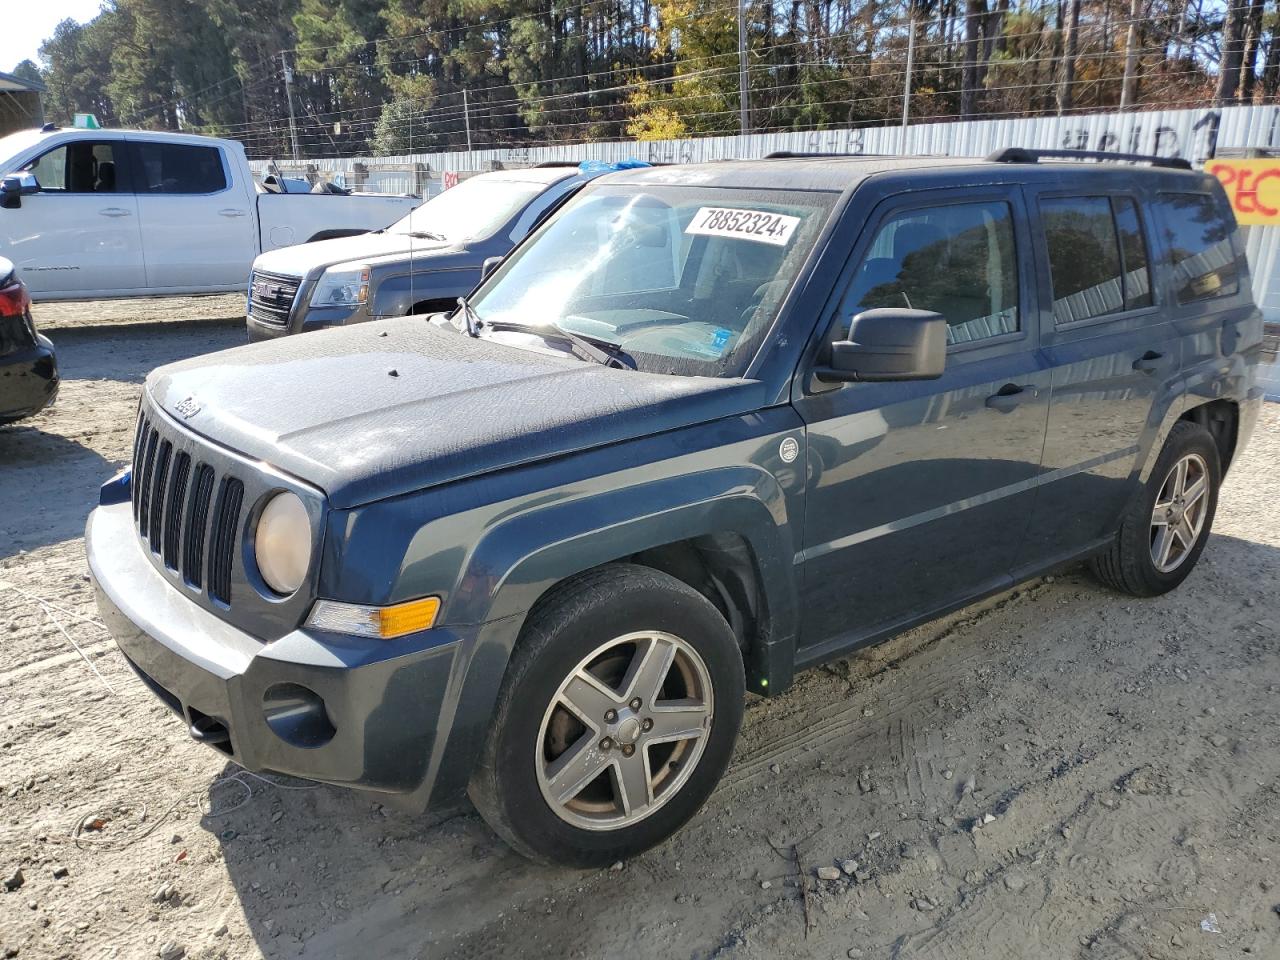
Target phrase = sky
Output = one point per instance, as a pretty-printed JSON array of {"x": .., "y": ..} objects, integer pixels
[{"x": 29, "y": 24}]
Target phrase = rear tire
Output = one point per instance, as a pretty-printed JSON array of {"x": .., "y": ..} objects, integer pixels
[
  {"x": 1165, "y": 528},
  {"x": 615, "y": 721}
]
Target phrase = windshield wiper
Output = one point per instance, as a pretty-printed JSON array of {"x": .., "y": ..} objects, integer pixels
[
  {"x": 426, "y": 235},
  {"x": 579, "y": 346},
  {"x": 470, "y": 317}
]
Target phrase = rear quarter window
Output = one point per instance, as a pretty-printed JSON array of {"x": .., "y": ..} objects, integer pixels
[
  {"x": 178, "y": 168},
  {"x": 1197, "y": 232}
]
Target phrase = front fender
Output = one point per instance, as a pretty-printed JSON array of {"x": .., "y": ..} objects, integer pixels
[
  {"x": 528, "y": 554},
  {"x": 525, "y": 556},
  {"x": 395, "y": 296}
]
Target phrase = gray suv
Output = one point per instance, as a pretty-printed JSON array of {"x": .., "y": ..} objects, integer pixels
[
  {"x": 706, "y": 427},
  {"x": 421, "y": 263}
]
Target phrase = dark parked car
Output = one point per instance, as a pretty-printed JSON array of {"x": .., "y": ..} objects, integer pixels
[
  {"x": 28, "y": 365},
  {"x": 421, "y": 263},
  {"x": 706, "y": 427}
]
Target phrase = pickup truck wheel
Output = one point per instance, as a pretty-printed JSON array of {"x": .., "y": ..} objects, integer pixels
[
  {"x": 1165, "y": 528},
  {"x": 615, "y": 721}
]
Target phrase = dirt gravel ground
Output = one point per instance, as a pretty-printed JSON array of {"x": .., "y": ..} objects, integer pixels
[{"x": 1059, "y": 772}]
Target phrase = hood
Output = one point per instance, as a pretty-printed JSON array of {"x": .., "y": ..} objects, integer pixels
[
  {"x": 305, "y": 258},
  {"x": 390, "y": 407}
]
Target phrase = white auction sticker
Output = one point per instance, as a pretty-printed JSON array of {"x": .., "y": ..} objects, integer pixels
[{"x": 762, "y": 227}]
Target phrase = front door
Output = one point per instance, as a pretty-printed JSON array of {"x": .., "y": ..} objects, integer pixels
[
  {"x": 920, "y": 492},
  {"x": 79, "y": 235},
  {"x": 198, "y": 224}
]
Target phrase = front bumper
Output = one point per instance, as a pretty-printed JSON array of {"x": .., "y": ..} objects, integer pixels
[
  {"x": 402, "y": 716},
  {"x": 303, "y": 319},
  {"x": 28, "y": 380}
]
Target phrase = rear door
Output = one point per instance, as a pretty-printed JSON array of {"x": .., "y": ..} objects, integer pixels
[
  {"x": 920, "y": 492},
  {"x": 79, "y": 235},
  {"x": 197, "y": 223},
  {"x": 1107, "y": 335}
]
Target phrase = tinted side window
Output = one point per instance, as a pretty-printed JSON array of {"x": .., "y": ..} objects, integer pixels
[
  {"x": 1084, "y": 257},
  {"x": 957, "y": 260},
  {"x": 1198, "y": 235},
  {"x": 79, "y": 167},
  {"x": 178, "y": 168},
  {"x": 1098, "y": 260},
  {"x": 1133, "y": 248}
]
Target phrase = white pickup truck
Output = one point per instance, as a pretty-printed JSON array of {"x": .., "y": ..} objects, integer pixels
[{"x": 88, "y": 213}]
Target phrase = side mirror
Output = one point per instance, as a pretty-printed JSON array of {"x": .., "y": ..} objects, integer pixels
[
  {"x": 16, "y": 186},
  {"x": 491, "y": 264},
  {"x": 889, "y": 344}
]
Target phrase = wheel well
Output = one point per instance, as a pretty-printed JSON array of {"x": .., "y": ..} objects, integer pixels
[
  {"x": 721, "y": 567},
  {"x": 438, "y": 305},
  {"x": 1221, "y": 418}
]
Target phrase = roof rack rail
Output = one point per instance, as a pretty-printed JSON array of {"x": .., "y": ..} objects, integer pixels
[
  {"x": 800, "y": 155},
  {"x": 1024, "y": 155},
  {"x": 556, "y": 163}
]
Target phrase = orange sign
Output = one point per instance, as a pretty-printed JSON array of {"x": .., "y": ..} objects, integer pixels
[{"x": 1253, "y": 187}]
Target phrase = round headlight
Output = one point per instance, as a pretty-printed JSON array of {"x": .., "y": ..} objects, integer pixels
[{"x": 282, "y": 544}]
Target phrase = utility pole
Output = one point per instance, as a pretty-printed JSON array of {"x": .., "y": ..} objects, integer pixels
[
  {"x": 744, "y": 95},
  {"x": 906, "y": 84},
  {"x": 466, "y": 117},
  {"x": 288, "y": 95}
]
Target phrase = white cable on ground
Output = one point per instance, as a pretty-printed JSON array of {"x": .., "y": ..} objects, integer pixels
[{"x": 77, "y": 836}]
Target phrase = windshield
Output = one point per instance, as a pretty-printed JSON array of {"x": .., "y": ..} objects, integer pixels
[
  {"x": 14, "y": 144},
  {"x": 684, "y": 280},
  {"x": 472, "y": 210}
]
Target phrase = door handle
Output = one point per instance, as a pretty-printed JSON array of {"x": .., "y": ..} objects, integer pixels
[
  {"x": 1010, "y": 395},
  {"x": 231, "y": 212},
  {"x": 114, "y": 212},
  {"x": 1150, "y": 362}
]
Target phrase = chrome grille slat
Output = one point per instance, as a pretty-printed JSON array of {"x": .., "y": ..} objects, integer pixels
[
  {"x": 197, "y": 524},
  {"x": 144, "y": 482},
  {"x": 138, "y": 434},
  {"x": 161, "y": 471},
  {"x": 222, "y": 539},
  {"x": 173, "y": 509},
  {"x": 271, "y": 296}
]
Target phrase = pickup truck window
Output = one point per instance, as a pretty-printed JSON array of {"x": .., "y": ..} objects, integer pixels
[
  {"x": 470, "y": 211},
  {"x": 179, "y": 168},
  {"x": 84, "y": 166},
  {"x": 1198, "y": 235},
  {"x": 957, "y": 260},
  {"x": 684, "y": 280}
]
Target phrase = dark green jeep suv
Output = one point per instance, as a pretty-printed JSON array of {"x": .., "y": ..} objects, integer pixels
[{"x": 705, "y": 427}]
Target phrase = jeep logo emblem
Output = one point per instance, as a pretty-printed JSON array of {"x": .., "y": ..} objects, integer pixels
[
  {"x": 187, "y": 408},
  {"x": 788, "y": 450}
]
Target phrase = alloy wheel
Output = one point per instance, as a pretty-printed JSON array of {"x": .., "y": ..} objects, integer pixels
[
  {"x": 1177, "y": 519},
  {"x": 624, "y": 730}
]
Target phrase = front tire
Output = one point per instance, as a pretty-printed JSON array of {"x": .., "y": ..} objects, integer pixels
[
  {"x": 1166, "y": 526},
  {"x": 615, "y": 721}
]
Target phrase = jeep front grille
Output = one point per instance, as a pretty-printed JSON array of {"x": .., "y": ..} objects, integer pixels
[
  {"x": 172, "y": 494},
  {"x": 271, "y": 297}
]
